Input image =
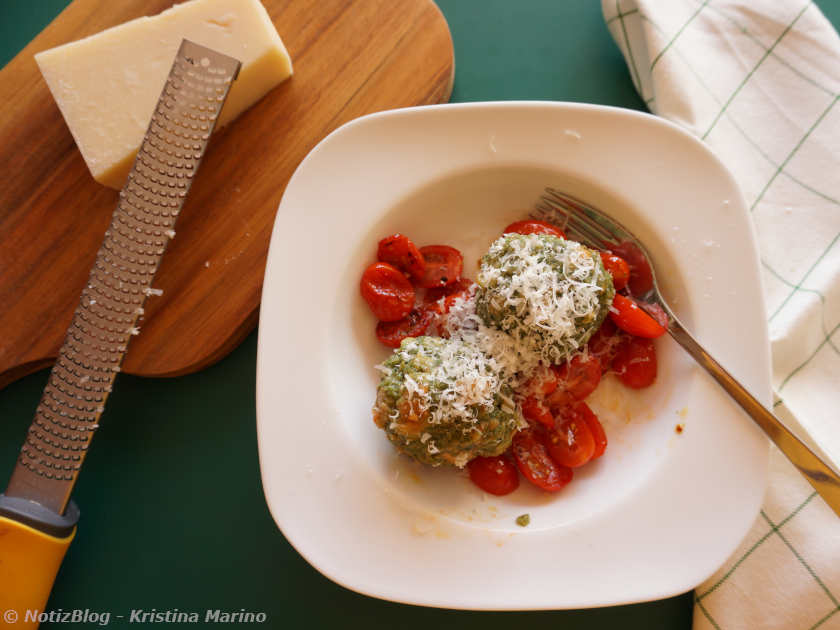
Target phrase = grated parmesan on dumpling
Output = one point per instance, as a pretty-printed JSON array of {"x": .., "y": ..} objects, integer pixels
[
  {"x": 508, "y": 356},
  {"x": 550, "y": 294},
  {"x": 443, "y": 400}
]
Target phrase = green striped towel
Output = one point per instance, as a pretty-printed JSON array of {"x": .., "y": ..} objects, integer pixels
[{"x": 759, "y": 81}]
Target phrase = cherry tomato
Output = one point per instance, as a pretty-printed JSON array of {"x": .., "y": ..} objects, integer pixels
[
  {"x": 641, "y": 276},
  {"x": 387, "y": 291},
  {"x": 413, "y": 325},
  {"x": 451, "y": 292},
  {"x": 533, "y": 461},
  {"x": 496, "y": 475},
  {"x": 630, "y": 318},
  {"x": 534, "y": 409},
  {"x": 571, "y": 443},
  {"x": 542, "y": 383},
  {"x": 635, "y": 362},
  {"x": 604, "y": 342},
  {"x": 657, "y": 312},
  {"x": 399, "y": 251},
  {"x": 617, "y": 268},
  {"x": 534, "y": 227},
  {"x": 443, "y": 266},
  {"x": 597, "y": 429},
  {"x": 576, "y": 379}
]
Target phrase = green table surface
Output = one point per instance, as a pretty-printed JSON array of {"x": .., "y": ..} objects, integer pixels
[{"x": 173, "y": 515}]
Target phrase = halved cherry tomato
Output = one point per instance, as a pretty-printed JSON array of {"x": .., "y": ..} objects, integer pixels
[
  {"x": 387, "y": 291},
  {"x": 657, "y": 312},
  {"x": 542, "y": 382},
  {"x": 617, "y": 268},
  {"x": 576, "y": 379},
  {"x": 534, "y": 409},
  {"x": 533, "y": 461},
  {"x": 635, "y": 362},
  {"x": 443, "y": 266},
  {"x": 597, "y": 429},
  {"x": 496, "y": 475},
  {"x": 398, "y": 250},
  {"x": 604, "y": 342},
  {"x": 641, "y": 276},
  {"x": 630, "y": 318},
  {"x": 451, "y": 292},
  {"x": 571, "y": 443},
  {"x": 530, "y": 226},
  {"x": 583, "y": 411},
  {"x": 413, "y": 325}
]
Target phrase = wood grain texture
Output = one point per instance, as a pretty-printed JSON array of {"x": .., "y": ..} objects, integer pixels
[{"x": 351, "y": 57}]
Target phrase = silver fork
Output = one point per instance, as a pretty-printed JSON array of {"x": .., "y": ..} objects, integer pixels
[{"x": 592, "y": 227}]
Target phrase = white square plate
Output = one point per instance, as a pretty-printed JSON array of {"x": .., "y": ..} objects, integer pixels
[{"x": 655, "y": 516}]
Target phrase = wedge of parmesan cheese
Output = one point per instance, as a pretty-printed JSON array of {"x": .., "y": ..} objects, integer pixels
[{"x": 108, "y": 84}]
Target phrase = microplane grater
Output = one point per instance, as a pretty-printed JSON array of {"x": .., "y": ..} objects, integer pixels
[{"x": 121, "y": 277}]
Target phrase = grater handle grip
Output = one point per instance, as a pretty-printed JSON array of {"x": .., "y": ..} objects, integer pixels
[{"x": 29, "y": 562}]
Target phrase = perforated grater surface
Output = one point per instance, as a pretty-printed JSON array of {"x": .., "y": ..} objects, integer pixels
[{"x": 120, "y": 281}]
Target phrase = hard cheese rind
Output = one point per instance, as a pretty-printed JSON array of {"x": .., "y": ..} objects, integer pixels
[{"x": 107, "y": 85}]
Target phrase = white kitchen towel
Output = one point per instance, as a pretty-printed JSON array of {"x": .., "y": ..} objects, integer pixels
[{"x": 759, "y": 81}]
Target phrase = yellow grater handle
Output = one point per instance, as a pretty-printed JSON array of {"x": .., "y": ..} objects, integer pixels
[
  {"x": 29, "y": 562},
  {"x": 31, "y": 550}
]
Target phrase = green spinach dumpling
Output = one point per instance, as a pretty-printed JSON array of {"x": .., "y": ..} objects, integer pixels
[
  {"x": 551, "y": 294},
  {"x": 442, "y": 401}
]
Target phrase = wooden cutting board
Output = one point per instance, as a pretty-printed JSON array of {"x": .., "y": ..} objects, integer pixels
[{"x": 350, "y": 57}]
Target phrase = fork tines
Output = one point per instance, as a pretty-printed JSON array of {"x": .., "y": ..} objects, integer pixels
[{"x": 577, "y": 219}]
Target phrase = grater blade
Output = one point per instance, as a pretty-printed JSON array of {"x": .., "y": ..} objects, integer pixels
[{"x": 121, "y": 277}]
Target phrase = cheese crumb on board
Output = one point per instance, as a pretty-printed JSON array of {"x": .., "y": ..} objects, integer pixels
[{"x": 107, "y": 85}]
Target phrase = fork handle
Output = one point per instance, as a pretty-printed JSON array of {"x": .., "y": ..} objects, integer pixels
[{"x": 818, "y": 473}]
